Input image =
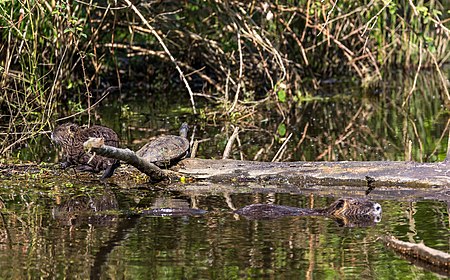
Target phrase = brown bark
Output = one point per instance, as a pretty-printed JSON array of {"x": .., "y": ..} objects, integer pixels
[
  {"x": 97, "y": 146},
  {"x": 349, "y": 173},
  {"x": 421, "y": 255}
]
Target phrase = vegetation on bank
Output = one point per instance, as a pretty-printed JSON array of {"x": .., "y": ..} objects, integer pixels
[{"x": 61, "y": 58}]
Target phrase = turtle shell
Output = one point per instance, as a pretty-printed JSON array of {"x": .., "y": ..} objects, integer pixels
[{"x": 164, "y": 150}]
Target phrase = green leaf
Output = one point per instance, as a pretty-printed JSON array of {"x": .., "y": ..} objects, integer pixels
[
  {"x": 71, "y": 30},
  {"x": 281, "y": 95},
  {"x": 282, "y": 129}
]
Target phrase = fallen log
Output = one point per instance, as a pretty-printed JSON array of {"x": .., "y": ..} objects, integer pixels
[{"x": 350, "y": 173}]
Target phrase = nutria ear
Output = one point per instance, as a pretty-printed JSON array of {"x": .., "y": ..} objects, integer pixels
[
  {"x": 340, "y": 203},
  {"x": 72, "y": 129}
]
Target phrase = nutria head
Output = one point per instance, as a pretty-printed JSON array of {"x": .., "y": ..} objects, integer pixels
[
  {"x": 71, "y": 138},
  {"x": 352, "y": 207},
  {"x": 64, "y": 134}
]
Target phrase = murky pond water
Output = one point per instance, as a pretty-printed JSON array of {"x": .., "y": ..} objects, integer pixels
[
  {"x": 102, "y": 231},
  {"x": 78, "y": 227}
]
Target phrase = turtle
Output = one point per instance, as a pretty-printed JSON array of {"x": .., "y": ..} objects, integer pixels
[
  {"x": 166, "y": 150},
  {"x": 70, "y": 137}
]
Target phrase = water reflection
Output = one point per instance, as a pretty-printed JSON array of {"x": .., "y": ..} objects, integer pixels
[
  {"x": 86, "y": 209},
  {"x": 106, "y": 232}
]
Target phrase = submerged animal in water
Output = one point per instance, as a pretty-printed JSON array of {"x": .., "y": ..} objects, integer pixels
[
  {"x": 347, "y": 210},
  {"x": 71, "y": 138}
]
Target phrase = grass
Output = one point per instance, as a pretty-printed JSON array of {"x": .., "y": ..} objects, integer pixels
[{"x": 61, "y": 58}]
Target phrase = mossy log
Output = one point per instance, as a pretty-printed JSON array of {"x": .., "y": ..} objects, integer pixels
[{"x": 349, "y": 173}]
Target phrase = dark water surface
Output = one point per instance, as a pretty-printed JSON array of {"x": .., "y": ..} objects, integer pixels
[
  {"x": 73, "y": 227},
  {"x": 98, "y": 233}
]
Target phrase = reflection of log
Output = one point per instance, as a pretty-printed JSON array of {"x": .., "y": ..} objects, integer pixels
[
  {"x": 96, "y": 145},
  {"x": 421, "y": 255},
  {"x": 354, "y": 173}
]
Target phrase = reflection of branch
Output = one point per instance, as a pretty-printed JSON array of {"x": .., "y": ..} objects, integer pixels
[
  {"x": 8, "y": 235},
  {"x": 347, "y": 132},
  {"x": 421, "y": 255},
  {"x": 107, "y": 92},
  {"x": 101, "y": 257}
]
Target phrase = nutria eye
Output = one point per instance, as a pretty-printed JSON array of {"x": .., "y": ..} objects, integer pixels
[
  {"x": 377, "y": 208},
  {"x": 340, "y": 204}
]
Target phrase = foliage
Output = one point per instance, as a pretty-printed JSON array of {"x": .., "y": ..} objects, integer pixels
[{"x": 60, "y": 56}]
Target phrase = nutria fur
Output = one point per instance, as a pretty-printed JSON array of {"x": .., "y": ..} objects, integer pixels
[
  {"x": 341, "y": 208},
  {"x": 71, "y": 138}
]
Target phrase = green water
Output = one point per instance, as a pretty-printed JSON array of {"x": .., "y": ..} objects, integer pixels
[
  {"x": 76, "y": 227},
  {"x": 41, "y": 240}
]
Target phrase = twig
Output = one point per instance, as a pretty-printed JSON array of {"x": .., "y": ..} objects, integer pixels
[
  {"x": 195, "y": 147},
  {"x": 447, "y": 158},
  {"x": 415, "y": 77},
  {"x": 438, "y": 142},
  {"x": 275, "y": 158},
  {"x": 108, "y": 91},
  {"x": 305, "y": 129},
  {"x": 240, "y": 147},
  {"x": 441, "y": 76},
  {"x": 153, "y": 31},
  {"x": 236, "y": 97},
  {"x": 226, "y": 152},
  {"x": 297, "y": 40},
  {"x": 328, "y": 18}
]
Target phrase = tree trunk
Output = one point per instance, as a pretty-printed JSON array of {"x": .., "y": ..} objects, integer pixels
[{"x": 351, "y": 173}]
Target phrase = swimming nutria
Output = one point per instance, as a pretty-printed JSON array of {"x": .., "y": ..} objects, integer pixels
[
  {"x": 71, "y": 138},
  {"x": 342, "y": 208}
]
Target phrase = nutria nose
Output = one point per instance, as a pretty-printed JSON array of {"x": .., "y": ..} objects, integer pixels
[
  {"x": 377, "y": 219},
  {"x": 377, "y": 209}
]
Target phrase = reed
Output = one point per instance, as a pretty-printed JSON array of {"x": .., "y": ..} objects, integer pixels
[{"x": 233, "y": 53}]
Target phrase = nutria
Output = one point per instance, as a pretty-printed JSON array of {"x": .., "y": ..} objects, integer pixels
[
  {"x": 81, "y": 209},
  {"x": 71, "y": 138},
  {"x": 342, "y": 208},
  {"x": 348, "y": 212}
]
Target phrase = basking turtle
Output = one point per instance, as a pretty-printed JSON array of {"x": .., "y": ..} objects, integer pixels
[
  {"x": 71, "y": 138},
  {"x": 166, "y": 150},
  {"x": 344, "y": 208}
]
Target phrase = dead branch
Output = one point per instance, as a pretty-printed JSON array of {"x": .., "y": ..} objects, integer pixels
[
  {"x": 97, "y": 146},
  {"x": 421, "y": 254}
]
